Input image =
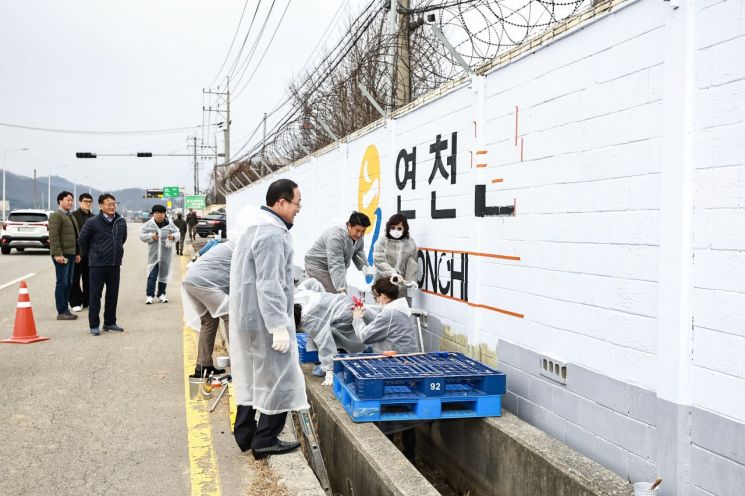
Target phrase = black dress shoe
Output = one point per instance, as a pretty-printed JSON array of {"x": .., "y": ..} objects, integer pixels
[
  {"x": 206, "y": 371},
  {"x": 279, "y": 448}
]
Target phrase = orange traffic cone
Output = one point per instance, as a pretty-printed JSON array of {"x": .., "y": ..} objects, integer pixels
[{"x": 24, "y": 331}]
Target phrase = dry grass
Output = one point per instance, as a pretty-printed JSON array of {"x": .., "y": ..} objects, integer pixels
[{"x": 265, "y": 481}]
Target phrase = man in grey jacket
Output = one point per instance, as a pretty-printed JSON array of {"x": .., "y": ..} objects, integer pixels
[{"x": 329, "y": 257}]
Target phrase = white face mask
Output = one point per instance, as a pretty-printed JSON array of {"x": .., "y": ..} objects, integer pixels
[{"x": 395, "y": 234}]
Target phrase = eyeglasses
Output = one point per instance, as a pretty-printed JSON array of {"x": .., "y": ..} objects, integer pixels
[
  {"x": 85, "y": 201},
  {"x": 298, "y": 205}
]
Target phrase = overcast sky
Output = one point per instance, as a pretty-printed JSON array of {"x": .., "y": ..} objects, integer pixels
[{"x": 137, "y": 65}]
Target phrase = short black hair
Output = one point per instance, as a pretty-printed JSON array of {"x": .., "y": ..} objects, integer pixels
[
  {"x": 359, "y": 219},
  {"x": 298, "y": 311},
  {"x": 386, "y": 287},
  {"x": 83, "y": 196},
  {"x": 158, "y": 208},
  {"x": 106, "y": 196},
  {"x": 63, "y": 195},
  {"x": 395, "y": 220},
  {"x": 280, "y": 189}
]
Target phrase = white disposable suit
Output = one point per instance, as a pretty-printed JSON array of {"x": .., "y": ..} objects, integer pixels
[
  {"x": 261, "y": 303},
  {"x": 161, "y": 251}
]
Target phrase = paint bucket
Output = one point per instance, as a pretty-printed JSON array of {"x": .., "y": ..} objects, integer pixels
[
  {"x": 643, "y": 489},
  {"x": 222, "y": 362},
  {"x": 199, "y": 389}
]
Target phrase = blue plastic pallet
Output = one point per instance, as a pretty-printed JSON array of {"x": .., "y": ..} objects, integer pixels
[
  {"x": 404, "y": 403},
  {"x": 305, "y": 355},
  {"x": 431, "y": 375}
]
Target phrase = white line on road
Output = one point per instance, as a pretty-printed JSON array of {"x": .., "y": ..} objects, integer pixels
[{"x": 14, "y": 281}]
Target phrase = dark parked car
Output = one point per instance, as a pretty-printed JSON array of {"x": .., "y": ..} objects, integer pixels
[{"x": 212, "y": 224}]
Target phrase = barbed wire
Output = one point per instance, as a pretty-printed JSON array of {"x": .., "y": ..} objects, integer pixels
[{"x": 394, "y": 66}]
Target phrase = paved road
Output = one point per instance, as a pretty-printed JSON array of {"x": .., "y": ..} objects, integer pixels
[{"x": 98, "y": 415}]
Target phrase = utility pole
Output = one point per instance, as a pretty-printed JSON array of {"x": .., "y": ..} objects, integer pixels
[
  {"x": 34, "y": 188},
  {"x": 402, "y": 58},
  {"x": 196, "y": 166},
  {"x": 223, "y": 110},
  {"x": 263, "y": 140}
]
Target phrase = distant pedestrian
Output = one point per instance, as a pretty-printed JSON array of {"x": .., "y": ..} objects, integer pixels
[
  {"x": 181, "y": 224},
  {"x": 102, "y": 240},
  {"x": 161, "y": 235},
  {"x": 79, "y": 299},
  {"x": 65, "y": 251},
  {"x": 192, "y": 221}
]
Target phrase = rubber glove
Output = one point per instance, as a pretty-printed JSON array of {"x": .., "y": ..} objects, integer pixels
[
  {"x": 281, "y": 341},
  {"x": 329, "y": 379},
  {"x": 396, "y": 278},
  {"x": 358, "y": 313}
]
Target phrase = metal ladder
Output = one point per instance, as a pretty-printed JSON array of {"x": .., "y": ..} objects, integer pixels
[{"x": 314, "y": 450}]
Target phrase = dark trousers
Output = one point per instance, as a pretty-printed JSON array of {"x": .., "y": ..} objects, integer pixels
[
  {"x": 180, "y": 244},
  {"x": 80, "y": 275},
  {"x": 152, "y": 278},
  {"x": 100, "y": 277},
  {"x": 64, "y": 273},
  {"x": 192, "y": 232},
  {"x": 250, "y": 435}
]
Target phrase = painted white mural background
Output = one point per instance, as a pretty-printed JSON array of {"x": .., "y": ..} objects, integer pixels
[{"x": 609, "y": 157}]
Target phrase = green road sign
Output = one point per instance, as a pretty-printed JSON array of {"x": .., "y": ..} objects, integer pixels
[
  {"x": 194, "y": 201},
  {"x": 171, "y": 191}
]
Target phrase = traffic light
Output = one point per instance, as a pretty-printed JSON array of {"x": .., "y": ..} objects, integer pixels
[
  {"x": 85, "y": 155},
  {"x": 144, "y": 154}
]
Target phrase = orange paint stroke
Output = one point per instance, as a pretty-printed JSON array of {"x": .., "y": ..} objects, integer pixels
[
  {"x": 476, "y": 254},
  {"x": 493, "y": 181},
  {"x": 517, "y": 110},
  {"x": 481, "y": 152},
  {"x": 476, "y": 305},
  {"x": 481, "y": 165}
]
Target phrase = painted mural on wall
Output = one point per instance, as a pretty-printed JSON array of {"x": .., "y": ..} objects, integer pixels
[{"x": 442, "y": 272}]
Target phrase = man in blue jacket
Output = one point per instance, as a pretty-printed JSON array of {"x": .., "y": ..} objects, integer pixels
[{"x": 102, "y": 241}]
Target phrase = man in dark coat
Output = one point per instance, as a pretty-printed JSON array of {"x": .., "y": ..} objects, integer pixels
[
  {"x": 102, "y": 240},
  {"x": 181, "y": 224},
  {"x": 192, "y": 221},
  {"x": 63, "y": 246},
  {"x": 79, "y": 299}
]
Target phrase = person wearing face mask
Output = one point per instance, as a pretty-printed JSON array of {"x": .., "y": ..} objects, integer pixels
[
  {"x": 328, "y": 259},
  {"x": 395, "y": 255},
  {"x": 160, "y": 235}
]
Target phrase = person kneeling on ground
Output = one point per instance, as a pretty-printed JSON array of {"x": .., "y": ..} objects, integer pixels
[
  {"x": 160, "y": 235},
  {"x": 390, "y": 330},
  {"x": 327, "y": 318}
]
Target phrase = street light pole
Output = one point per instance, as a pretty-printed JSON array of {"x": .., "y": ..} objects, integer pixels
[{"x": 5, "y": 152}]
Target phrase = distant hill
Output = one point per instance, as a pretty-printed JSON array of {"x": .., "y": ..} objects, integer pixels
[{"x": 19, "y": 191}]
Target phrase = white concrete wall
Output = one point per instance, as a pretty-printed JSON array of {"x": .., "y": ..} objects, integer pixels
[{"x": 608, "y": 117}]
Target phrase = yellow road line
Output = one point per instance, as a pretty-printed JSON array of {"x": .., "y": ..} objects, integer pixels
[
  {"x": 233, "y": 407},
  {"x": 205, "y": 476}
]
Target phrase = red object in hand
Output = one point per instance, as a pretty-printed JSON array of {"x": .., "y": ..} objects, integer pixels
[{"x": 357, "y": 302}]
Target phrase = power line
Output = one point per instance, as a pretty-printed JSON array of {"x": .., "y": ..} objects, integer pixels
[
  {"x": 245, "y": 40},
  {"x": 268, "y": 45},
  {"x": 235, "y": 35},
  {"x": 76, "y": 131},
  {"x": 244, "y": 65}
]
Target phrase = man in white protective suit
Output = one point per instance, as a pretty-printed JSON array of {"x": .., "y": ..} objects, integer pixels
[
  {"x": 161, "y": 235},
  {"x": 263, "y": 352}
]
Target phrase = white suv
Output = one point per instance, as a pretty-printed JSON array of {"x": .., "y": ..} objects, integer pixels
[{"x": 28, "y": 228}]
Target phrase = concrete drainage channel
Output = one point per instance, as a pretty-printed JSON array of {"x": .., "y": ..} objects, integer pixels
[{"x": 501, "y": 456}]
